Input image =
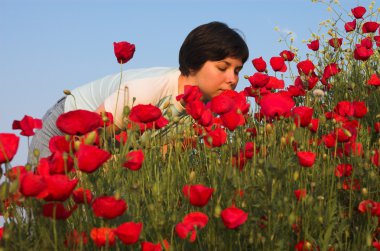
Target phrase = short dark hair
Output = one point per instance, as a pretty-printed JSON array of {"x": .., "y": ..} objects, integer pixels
[{"x": 212, "y": 41}]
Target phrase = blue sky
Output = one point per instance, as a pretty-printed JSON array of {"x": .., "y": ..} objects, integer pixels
[{"x": 47, "y": 46}]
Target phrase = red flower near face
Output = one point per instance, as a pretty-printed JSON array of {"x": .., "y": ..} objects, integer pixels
[
  {"x": 343, "y": 170},
  {"x": 8, "y": 146},
  {"x": 370, "y": 27},
  {"x": 129, "y": 232},
  {"x": 287, "y": 55},
  {"x": 26, "y": 125},
  {"x": 306, "y": 159},
  {"x": 222, "y": 104},
  {"x": 108, "y": 207},
  {"x": 278, "y": 64},
  {"x": 134, "y": 160},
  {"x": 358, "y": 12},
  {"x": 78, "y": 122},
  {"x": 233, "y": 217},
  {"x": 258, "y": 80},
  {"x": 191, "y": 93},
  {"x": 314, "y": 45},
  {"x": 302, "y": 115},
  {"x": 216, "y": 138},
  {"x": 195, "y": 109},
  {"x": 274, "y": 105},
  {"x": 275, "y": 83},
  {"x": 123, "y": 51},
  {"x": 374, "y": 80},
  {"x": 59, "y": 144},
  {"x": 74, "y": 239},
  {"x": 90, "y": 158},
  {"x": 306, "y": 67},
  {"x": 335, "y": 42},
  {"x": 259, "y": 64},
  {"x": 300, "y": 194},
  {"x": 206, "y": 118},
  {"x": 149, "y": 246},
  {"x": 147, "y": 117},
  {"x": 103, "y": 236},
  {"x": 198, "y": 195},
  {"x": 56, "y": 210},
  {"x": 191, "y": 223},
  {"x": 350, "y": 26},
  {"x": 59, "y": 187},
  {"x": 82, "y": 196}
]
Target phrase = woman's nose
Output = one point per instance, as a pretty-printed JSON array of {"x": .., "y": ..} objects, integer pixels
[{"x": 232, "y": 80}]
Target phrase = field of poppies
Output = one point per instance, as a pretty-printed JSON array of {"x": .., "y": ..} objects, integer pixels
[{"x": 299, "y": 171}]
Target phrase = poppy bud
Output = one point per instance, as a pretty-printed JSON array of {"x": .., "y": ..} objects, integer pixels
[
  {"x": 192, "y": 176},
  {"x": 36, "y": 152},
  {"x": 90, "y": 138},
  {"x": 217, "y": 211},
  {"x": 296, "y": 175},
  {"x": 364, "y": 191},
  {"x": 67, "y": 92}
]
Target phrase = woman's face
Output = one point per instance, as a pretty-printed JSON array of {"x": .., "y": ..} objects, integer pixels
[{"x": 217, "y": 76}]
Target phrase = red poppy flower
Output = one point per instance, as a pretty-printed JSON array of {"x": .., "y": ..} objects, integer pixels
[
  {"x": 59, "y": 187},
  {"x": 275, "y": 83},
  {"x": 103, "y": 236},
  {"x": 302, "y": 115},
  {"x": 370, "y": 27},
  {"x": 8, "y": 146},
  {"x": 306, "y": 67},
  {"x": 362, "y": 53},
  {"x": 206, "y": 118},
  {"x": 122, "y": 137},
  {"x": 232, "y": 119},
  {"x": 74, "y": 239},
  {"x": 274, "y": 105},
  {"x": 198, "y": 195},
  {"x": 147, "y": 117},
  {"x": 376, "y": 245},
  {"x": 314, "y": 125},
  {"x": 314, "y": 45},
  {"x": 195, "y": 109},
  {"x": 233, "y": 217},
  {"x": 149, "y": 246},
  {"x": 258, "y": 80},
  {"x": 335, "y": 42},
  {"x": 300, "y": 194},
  {"x": 377, "y": 127},
  {"x": 191, "y": 223},
  {"x": 90, "y": 158},
  {"x": 367, "y": 42},
  {"x": 303, "y": 246},
  {"x": 353, "y": 148},
  {"x": 216, "y": 138},
  {"x": 56, "y": 210},
  {"x": 82, "y": 196},
  {"x": 360, "y": 109},
  {"x": 330, "y": 70},
  {"x": 374, "y": 80},
  {"x": 344, "y": 108},
  {"x": 287, "y": 55},
  {"x": 129, "y": 232},
  {"x": 278, "y": 64},
  {"x": 191, "y": 93},
  {"x": 32, "y": 185},
  {"x": 123, "y": 51},
  {"x": 358, "y": 11},
  {"x": 350, "y": 26},
  {"x": 134, "y": 160},
  {"x": 306, "y": 159},
  {"x": 329, "y": 140},
  {"x": 296, "y": 91},
  {"x": 349, "y": 184},
  {"x": 108, "y": 207},
  {"x": 366, "y": 205},
  {"x": 259, "y": 64},
  {"x": 78, "y": 122},
  {"x": 26, "y": 125},
  {"x": 59, "y": 144},
  {"x": 343, "y": 170},
  {"x": 222, "y": 103}
]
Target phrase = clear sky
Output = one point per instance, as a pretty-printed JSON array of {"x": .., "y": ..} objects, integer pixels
[{"x": 47, "y": 46}]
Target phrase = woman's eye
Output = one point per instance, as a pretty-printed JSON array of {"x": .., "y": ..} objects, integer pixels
[{"x": 222, "y": 69}]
